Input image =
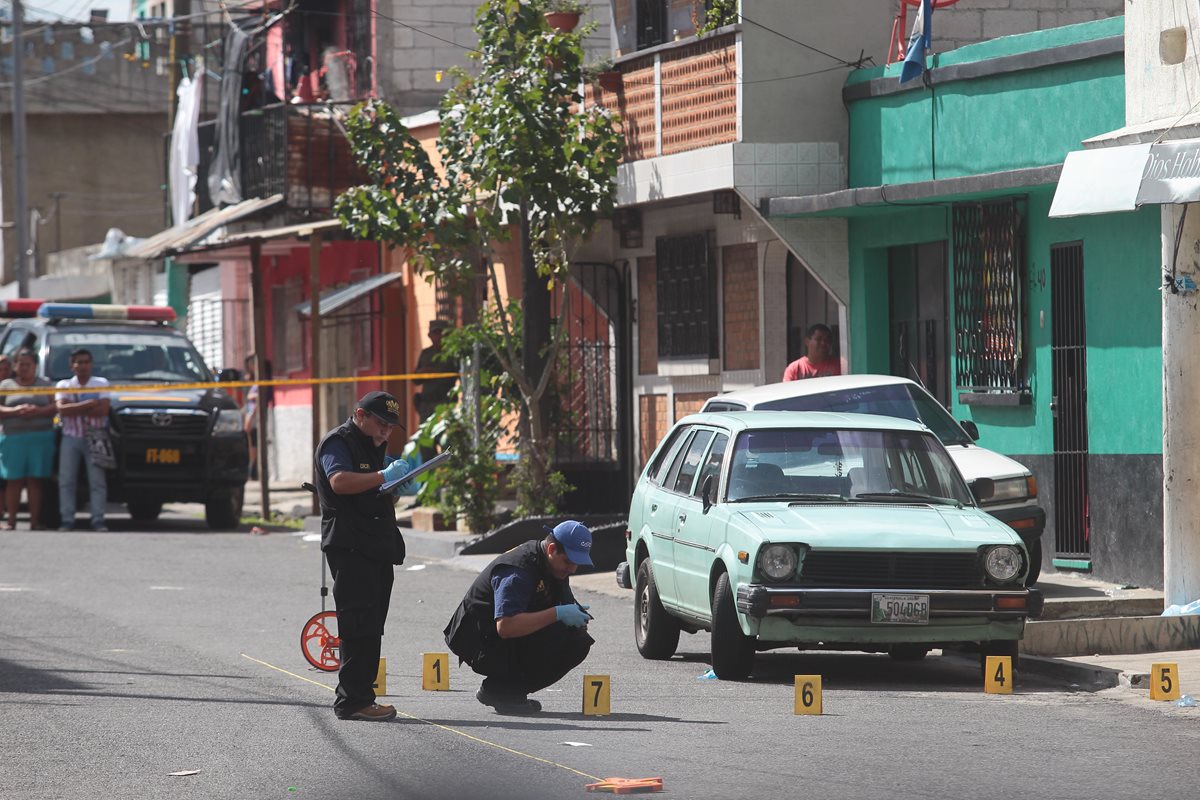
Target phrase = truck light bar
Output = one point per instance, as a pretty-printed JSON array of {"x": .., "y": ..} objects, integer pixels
[
  {"x": 101, "y": 311},
  {"x": 19, "y": 308}
]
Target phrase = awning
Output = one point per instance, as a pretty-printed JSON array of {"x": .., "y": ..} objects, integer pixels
[
  {"x": 241, "y": 238},
  {"x": 1122, "y": 178},
  {"x": 180, "y": 237},
  {"x": 334, "y": 299}
]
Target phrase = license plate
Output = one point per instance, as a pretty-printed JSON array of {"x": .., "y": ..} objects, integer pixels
[
  {"x": 900, "y": 609},
  {"x": 163, "y": 455}
]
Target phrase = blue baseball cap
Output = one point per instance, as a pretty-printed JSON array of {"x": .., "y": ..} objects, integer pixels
[{"x": 576, "y": 541}]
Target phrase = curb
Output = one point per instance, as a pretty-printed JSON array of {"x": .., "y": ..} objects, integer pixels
[{"x": 1086, "y": 676}]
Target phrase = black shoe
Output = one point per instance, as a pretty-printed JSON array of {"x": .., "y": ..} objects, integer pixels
[{"x": 508, "y": 704}]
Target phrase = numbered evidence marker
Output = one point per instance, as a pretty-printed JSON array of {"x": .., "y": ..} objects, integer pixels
[
  {"x": 998, "y": 675},
  {"x": 597, "y": 695},
  {"x": 380, "y": 686},
  {"x": 435, "y": 677},
  {"x": 1164, "y": 682},
  {"x": 808, "y": 694}
]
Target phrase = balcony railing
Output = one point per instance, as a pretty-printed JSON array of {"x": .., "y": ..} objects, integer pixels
[
  {"x": 298, "y": 151},
  {"x": 677, "y": 97}
]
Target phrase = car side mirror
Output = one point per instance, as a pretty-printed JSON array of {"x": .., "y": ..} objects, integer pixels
[
  {"x": 983, "y": 489},
  {"x": 228, "y": 375},
  {"x": 971, "y": 428},
  {"x": 706, "y": 492}
]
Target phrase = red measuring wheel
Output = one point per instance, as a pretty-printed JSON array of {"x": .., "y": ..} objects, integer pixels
[{"x": 320, "y": 643}]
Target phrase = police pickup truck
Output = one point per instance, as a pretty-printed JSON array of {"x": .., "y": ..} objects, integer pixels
[{"x": 171, "y": 445}]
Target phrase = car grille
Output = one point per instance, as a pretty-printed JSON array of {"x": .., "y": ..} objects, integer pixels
[
  {"x": 182, "y": 425},
  {"x": 892, "y": 570}
]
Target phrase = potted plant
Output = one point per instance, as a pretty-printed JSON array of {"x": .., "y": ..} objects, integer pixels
[
  {"x": 563, "y": 15},
  {"x": 604, "y": 74}
]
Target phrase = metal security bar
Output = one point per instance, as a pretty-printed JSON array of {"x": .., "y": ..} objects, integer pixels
[
  {"x": 989, "y": 302},
  {"x": 686, "y": 283},
  {"x": 1068, "y": 349}
]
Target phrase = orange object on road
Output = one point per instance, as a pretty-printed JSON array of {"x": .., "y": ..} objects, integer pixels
[{"x": 627, "y": 785}]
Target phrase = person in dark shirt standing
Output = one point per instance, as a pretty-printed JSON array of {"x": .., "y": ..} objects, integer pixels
[
  {"x": 434, "y": 391},
  {"x": 519, "y": 624},
  {"x": 361, "y": 542}
]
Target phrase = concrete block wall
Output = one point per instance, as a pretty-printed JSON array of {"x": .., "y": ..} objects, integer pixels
[
  {"x": 971, "y": 21},
  {"x": 433, "y": 35},
  {"x": 653, "y": 424}
]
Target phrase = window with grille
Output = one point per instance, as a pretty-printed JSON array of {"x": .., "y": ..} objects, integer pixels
[
  {"x": 446, "y": 301},
  {"x": 989, "y": 296},
  {"x": 686, "y": 289},
  {"x": 651, "y": 23}
]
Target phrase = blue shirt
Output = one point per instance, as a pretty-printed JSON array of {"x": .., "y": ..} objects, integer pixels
[
  {"x": 335, "y": 457},
  {"x": 513, "y": 589}
]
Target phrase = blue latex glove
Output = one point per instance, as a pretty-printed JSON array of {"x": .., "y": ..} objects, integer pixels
[
  {"x": 394, "y": 470},
  {"x": 389, "y": 459},
  {"x": 572, "y": 614}
]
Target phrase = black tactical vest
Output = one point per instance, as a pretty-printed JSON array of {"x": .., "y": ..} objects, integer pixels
[
  {"x": 366, "y": 522},
  {"x": 473, "y": 626}
]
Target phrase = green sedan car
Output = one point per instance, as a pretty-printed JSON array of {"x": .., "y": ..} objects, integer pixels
[{"x": 818, "y": 531}]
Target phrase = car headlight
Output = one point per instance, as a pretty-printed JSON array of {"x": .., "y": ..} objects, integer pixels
[
  {"x": 777, "y": 562},
  {"x": 229, "y": 420},
  {"x": 1003, "y": 563},
  {"x": 1011, "y": 489}
]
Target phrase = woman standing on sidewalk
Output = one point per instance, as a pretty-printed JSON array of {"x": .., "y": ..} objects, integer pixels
[
  {"x": 26, "y": 440},
  {"x": 6, "y": 372}
]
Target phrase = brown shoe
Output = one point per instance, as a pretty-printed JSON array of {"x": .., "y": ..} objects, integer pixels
[{"x": 373, "y": 713}]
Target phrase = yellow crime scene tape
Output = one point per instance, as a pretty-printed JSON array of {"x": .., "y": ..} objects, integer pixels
[{"x": 180, "y": 387}]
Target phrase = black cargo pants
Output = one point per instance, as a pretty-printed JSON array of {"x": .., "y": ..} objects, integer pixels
[{"x": 362, "y": 589}]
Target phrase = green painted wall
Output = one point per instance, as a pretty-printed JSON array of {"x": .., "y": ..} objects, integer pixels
[
  {"x": 990, "y": 124},
  {"x": 1122, "y": 319}
]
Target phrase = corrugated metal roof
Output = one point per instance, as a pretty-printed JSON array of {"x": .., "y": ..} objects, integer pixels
[
  {"x": 179, "y": 237},
  {"x": 340, "y": 298},
  {"x": 239, "y": 238}
]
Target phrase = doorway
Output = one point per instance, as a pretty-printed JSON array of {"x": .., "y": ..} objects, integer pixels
[
  {"x": 917, "y": 316},
  {"x": 1068, "y": 348}
]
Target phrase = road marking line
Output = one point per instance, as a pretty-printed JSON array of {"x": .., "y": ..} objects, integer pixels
[{"x": 446, "y": 728}]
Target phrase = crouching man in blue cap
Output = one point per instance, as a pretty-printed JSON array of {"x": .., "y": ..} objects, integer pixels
[{"x": 519, "y": 624}]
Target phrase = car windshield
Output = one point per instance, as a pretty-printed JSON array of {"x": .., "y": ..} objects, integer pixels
[
  {"x": 128, "y": 357},
  {"x": 836, "y": 464},
  {"x": 890, "y": 400}
]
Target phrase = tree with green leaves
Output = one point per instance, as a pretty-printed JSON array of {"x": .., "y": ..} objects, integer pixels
[{"x": 518, "y": 147}]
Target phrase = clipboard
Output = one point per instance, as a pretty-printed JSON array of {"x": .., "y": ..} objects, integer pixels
[{"x": 436, "y": 461}]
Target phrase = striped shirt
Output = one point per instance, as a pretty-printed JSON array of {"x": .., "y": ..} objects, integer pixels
[{"x": 79, "y": 425}]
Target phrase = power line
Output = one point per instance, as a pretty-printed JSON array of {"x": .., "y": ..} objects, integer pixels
[{"x": 805, "y": 45}]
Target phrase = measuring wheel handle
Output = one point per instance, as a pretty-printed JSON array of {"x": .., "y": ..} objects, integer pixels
[{"x": 319, "y": 642}]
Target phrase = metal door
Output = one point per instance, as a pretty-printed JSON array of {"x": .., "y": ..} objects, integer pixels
[{"x": 1069, "y": 404}]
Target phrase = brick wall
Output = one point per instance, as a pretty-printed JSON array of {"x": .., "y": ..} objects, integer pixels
[
  {"x": 689, "y": 403},
  {"x": 653, "y": 425},
  {"x": 971, "y": 21},
  {"x": 647, "y": 316},
  {"x": 740, "y": 304}
]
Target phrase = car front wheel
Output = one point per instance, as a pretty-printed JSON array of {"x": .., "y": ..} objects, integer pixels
[
  {"x": 655, "y": 631},
  {"x": 732, "y": 650},
  {"x": 223, "y": 509}
]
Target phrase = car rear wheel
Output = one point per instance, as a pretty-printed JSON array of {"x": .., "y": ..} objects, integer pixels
[
  {"x": 1035, "y": 562},
  {"x": 144, "y": 510},
  {"x": 223, "y": 509},
  {"x": 655, "y": 631},
  {"x": 732, "y": 650}
]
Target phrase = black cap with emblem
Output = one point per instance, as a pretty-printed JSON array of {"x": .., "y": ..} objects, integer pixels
[{"x": 381, "y": 405}]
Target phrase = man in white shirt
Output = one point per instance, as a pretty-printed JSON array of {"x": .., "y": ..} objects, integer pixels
[{"x": 81, "y": 412}]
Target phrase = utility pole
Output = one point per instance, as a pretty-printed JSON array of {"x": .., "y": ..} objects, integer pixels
[
  {"x": 21, "y": 217},
  {"x": 179, "y": 52}
]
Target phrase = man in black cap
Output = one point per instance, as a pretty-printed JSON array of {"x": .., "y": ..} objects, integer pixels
[
  {"x": 519, "y": 624},
  {"x": 362, "y": 543}
]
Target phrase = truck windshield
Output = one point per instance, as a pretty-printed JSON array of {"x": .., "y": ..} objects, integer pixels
[
  {"x": 889, "y": 400},
  {"x": 128, "y": 357}
]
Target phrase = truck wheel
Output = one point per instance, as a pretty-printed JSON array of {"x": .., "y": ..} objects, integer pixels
[
  {"x": 732, "y": 650},
  {"x": 144, "y": 510},
  {"x": 1035, "y": 563},
  {"x": 223, "y": 509},
  {"x": 655, "y": 631}
]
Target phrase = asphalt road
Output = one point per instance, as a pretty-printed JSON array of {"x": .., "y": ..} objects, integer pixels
[{"x": 131, "y": 655}]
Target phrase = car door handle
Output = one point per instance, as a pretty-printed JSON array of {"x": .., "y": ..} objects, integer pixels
[
  {"x": 653, "y": 507},
  {"x": 683, "y": 517}
]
